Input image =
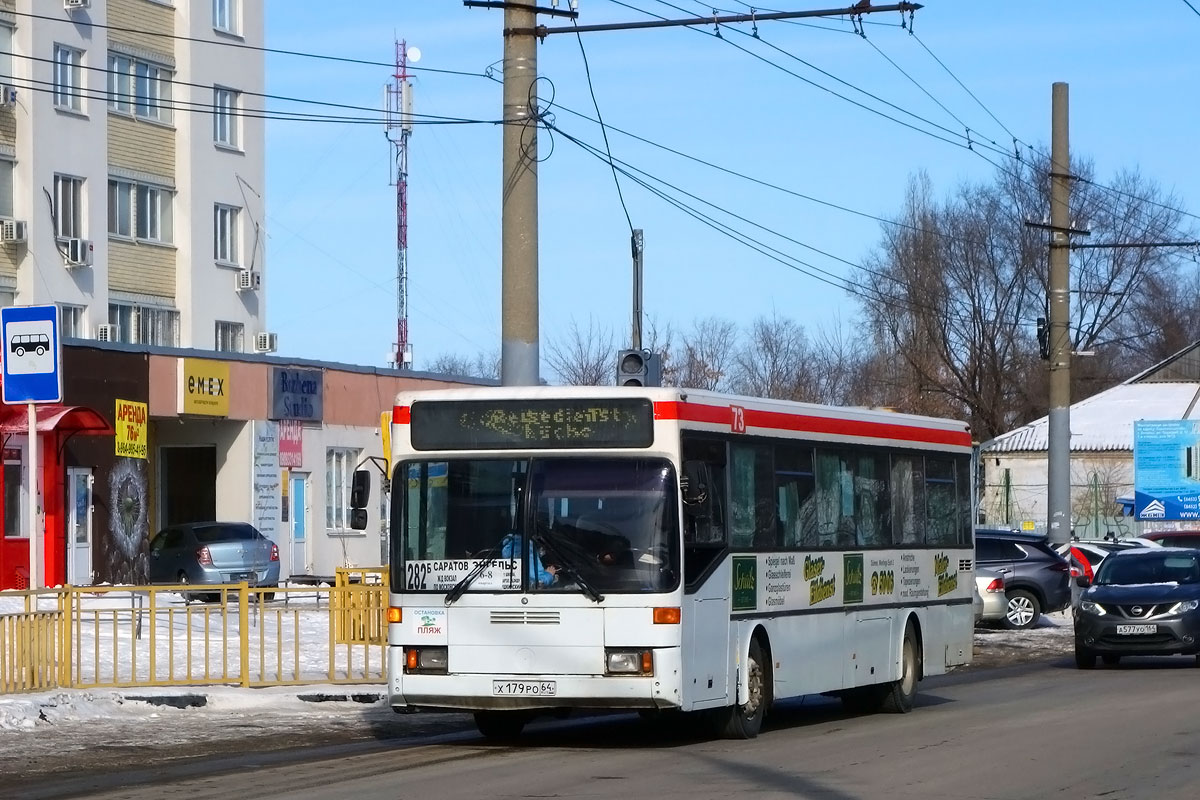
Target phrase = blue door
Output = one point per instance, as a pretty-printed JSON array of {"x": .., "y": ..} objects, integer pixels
[{"x": 299, "y": 500}]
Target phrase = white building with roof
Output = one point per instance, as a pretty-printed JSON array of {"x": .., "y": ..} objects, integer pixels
[{"x": 1013, "y": 466}]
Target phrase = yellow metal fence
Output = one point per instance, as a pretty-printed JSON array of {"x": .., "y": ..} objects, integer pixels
[{"x": 126, "y": 636}]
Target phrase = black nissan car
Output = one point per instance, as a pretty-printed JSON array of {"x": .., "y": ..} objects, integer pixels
[{"x": 1142, "y": 602}]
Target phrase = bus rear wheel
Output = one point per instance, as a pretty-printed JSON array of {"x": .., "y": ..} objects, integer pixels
[
  {"x": 744, "y": 721},
  {"x": 500, "y": 725}
]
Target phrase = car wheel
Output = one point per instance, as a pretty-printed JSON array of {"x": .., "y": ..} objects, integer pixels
[
  {"x": 901, "y": 693},
  {"x": 1084, "y": 659},
  {"x": 1023, "y": 610},
  {"x": 744, "y": 721},
  {"x": 1111, "y": 659},
  {"x": 186, "y": 595},
  {"x": 500, "y": 725}
]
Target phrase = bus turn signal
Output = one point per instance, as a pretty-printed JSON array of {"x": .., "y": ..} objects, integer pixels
[
  {"x": 395, "y": 614},
  {"x": 668, "y": 615}
]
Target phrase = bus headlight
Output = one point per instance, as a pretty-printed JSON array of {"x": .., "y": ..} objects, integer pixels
[
  {"x": 629, "y": 662},
  {"x": 426, "y": 659}
]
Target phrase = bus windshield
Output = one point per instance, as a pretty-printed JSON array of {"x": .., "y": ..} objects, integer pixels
[{"x": 543, "y": 524}]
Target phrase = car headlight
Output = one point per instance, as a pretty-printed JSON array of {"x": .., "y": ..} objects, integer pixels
[
  {"x": 1184, "y": 606},
  {"x": 1088, "y": 607}
]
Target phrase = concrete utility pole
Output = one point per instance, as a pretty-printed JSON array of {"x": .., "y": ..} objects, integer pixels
[
  {"x": 519, "y": 357},
  {"x": 636, "y": 241},
  {"x": 519, "y": 201},
  {"x": 1058, "y": 484}
]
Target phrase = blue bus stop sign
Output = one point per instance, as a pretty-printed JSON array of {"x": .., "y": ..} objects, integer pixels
[{"x": 32, "y": 355}]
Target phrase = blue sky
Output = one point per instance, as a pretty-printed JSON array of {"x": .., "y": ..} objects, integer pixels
[{"x": 331, "y": 250}]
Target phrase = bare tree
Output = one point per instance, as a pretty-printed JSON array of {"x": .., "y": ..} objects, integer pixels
[
  {"x": 951, "y": 296},
  {"x": 485, "y": 365},
  {"x": 451, "y": 364},
  {"x": 775, "y": 361},
  {"x": 583, "y": 357},
  {"x": 706, "y": 355}
]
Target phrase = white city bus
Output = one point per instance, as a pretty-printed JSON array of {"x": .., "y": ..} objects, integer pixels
[{"x": 671, "y": 550}]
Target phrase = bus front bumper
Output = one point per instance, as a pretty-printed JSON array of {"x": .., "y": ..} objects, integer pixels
[{"x": 475, "y": 692}]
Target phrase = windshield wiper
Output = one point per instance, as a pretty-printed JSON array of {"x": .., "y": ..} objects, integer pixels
[
  {"x": 565, "y": 564},
  {"x": 489, "y": 557}
]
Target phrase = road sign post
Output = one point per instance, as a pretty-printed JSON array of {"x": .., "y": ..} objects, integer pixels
[{"x": 32, "y": 374}]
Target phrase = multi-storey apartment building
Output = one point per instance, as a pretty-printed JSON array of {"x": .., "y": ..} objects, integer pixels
[{"x": 131, "y": 183}]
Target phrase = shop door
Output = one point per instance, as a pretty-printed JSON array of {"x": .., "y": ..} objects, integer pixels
[
  {"x": 79, "y": 526},
  {"x": 299, "y": 500},
  {"x": 188, "y": 490}
]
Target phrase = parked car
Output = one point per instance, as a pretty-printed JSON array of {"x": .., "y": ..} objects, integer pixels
[
  {"x": 1143, "y": 602},
  {"x": 1036, "y": 579},
  {"x": 992, "y": 604},
  {"x": 1086, "y": 554},
  {"x": 1174, "y": 538},
  {"x": 212, "y": 553}
]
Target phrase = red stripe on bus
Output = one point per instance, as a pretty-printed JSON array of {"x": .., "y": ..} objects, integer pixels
[
  {"x": 806, "y": 423},
  {"x": 400, "y": 415}
]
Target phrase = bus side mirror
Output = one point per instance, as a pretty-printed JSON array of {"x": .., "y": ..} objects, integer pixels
[
  {"x": 360, "y": 491},
  {"x": 358, "y": 519},
  {"x": 694, "y": 486}
]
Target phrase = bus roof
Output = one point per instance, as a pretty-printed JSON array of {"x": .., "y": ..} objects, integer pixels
[{"x": 706, "y": 408}]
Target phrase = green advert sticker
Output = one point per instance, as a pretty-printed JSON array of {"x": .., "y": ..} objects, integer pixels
[
  {"x": 745, "y": 583},
  {"x": 852, "y": 578}
]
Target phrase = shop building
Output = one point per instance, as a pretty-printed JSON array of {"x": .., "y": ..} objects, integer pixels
[{"x": 148, "y": 437}]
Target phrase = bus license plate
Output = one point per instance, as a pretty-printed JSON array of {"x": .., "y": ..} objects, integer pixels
[
  {"x": 524, "y": 688},
  {"x": 1133, "y": 630}
]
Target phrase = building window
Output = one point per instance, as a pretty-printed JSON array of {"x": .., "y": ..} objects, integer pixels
[
  {"x": 6, "y": 184},
  {"x": 225, "y": 234},
  {"x": 226, "y": 105},
  {"x": 70, "y": 321},
  {"x": 225, "y": 15},
  {"x": 231, "y": 337},
  {"x": 138, "y": 324},
  {"x": 120, "y": 208},
  {"x": 14, "y": 493},
  {"x": 6, "y": 49},
  {"x": 339, "y": 477},
  {"x": 139, "y": 87},
  {"x": 68, "y": 79},
  {"x": 139, "y": 210},
  {"x": 68, "y": 207}
]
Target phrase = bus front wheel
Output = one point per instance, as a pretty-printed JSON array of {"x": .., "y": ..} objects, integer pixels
[
  {"x": 899, "y": 694},
  {"x": 500, "y": 725},
  {"x": 744, "y": 721}
]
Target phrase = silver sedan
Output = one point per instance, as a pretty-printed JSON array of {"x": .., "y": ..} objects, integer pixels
[{"x": 991, "y": 605}]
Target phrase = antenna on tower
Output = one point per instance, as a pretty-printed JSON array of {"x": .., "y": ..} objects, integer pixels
[{"x": 398, "y": 121}]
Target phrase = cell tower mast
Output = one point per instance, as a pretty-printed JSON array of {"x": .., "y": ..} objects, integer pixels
[{"x": 399, "y": 128}]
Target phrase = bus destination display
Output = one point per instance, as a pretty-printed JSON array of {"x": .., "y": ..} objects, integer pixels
[{"x": 559, "y": 423}]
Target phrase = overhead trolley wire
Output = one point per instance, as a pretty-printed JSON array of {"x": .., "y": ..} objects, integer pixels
[{"x": 240, "y": 45}]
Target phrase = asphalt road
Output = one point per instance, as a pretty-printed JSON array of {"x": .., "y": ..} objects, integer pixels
[{"x": 1040, "y": 730}]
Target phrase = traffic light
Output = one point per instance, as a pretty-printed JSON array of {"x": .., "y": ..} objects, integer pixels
[
  {"x": 1043, "y": 337},
  {"x": 638, "y": 368}
]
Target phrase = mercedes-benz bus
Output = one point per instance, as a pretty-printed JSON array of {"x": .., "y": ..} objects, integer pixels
[{"x": 669, "y": 550}]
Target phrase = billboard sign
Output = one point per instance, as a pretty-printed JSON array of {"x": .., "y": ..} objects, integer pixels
[{"x": 1166, "y": 469}]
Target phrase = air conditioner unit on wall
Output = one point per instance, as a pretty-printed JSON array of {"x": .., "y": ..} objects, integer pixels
[
  {"x": 72, "y": 4},
  {"x": 108, "y": 333},
  {"x": 248, "y": 280},
  {"x": 77, "y": 253},
  {"x": 8, "y": 96},
  {"x": 13, "y": 230},
  {"x": 265, "y": 342}
]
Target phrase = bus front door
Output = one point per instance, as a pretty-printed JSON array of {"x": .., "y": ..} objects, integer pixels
[{"x": 706, "y": 681}]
